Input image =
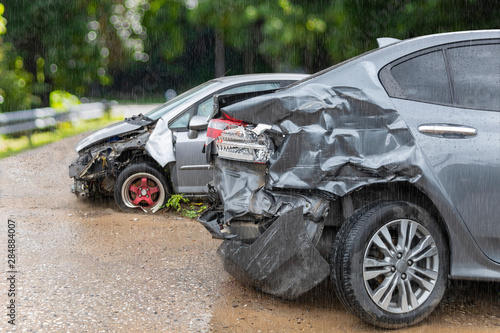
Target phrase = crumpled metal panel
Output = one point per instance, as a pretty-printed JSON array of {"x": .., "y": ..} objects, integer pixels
[
  {"x": 84, "y": 162},
  {"x": 283, "y": 261},
  {"x": 340, "y": 132},
  {"x": 161, "y": 144},
  {"x": 241, "y": 187},
  {"x": 105, "y": 133},
  {"x": 336, "y": 132}
]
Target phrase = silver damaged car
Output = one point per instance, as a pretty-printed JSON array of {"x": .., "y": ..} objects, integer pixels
[
  {"x": 382, "y": 173},
  {"x": 143, "y": 160}
]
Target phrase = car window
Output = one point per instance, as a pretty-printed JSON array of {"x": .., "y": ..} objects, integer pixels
[
  {"x": 475, "y": 72},
  {"x": 173, "y": 103},
  {"x": 205, "y": 107},
  {"x": 424, "y": 78},
  {"x": 182, "y": 121}
]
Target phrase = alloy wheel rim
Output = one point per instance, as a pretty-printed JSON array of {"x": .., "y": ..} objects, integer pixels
[
  {"x": 142, "y": 190},
  {"x": 400, "y": 266}
]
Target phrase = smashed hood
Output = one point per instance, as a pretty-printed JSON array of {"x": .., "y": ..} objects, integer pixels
[
  {"x": 106, "y": 133},
  {"x": 340, "y": 131},
  {"x": 122, "y": 127}
]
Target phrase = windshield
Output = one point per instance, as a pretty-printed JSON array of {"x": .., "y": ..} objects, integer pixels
[{"x": 170, "y": 105}]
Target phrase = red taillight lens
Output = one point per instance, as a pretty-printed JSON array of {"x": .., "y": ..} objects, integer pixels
[{"x": 216, "y": 126}]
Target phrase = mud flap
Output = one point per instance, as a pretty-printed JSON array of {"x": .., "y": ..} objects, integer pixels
[{"x": 282, "y": 262}]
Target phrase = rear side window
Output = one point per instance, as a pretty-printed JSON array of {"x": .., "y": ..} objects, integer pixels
[
  {"x": 465, "y": 74},
  {"x": 424, "y": 78},
  {"x": 475, "y": 73}
]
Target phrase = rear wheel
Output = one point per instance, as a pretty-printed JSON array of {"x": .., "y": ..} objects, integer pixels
[
  {"x": 140, "y": 186},
  {"x": 390, "y": 264}
]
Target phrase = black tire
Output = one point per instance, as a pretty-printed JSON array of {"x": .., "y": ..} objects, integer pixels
[
  {"x": 141, "y": 186},
  {"x": 395, "y": 282}
]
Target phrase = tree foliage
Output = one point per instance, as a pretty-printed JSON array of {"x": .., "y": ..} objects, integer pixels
[
  {"x": 15, "y": 82},
  {"x": 138, "y": 48}
]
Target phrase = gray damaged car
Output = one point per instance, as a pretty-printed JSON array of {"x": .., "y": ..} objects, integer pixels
[
  {"x": 143, "y": 160},
  {"x": 382, "y": 172}
]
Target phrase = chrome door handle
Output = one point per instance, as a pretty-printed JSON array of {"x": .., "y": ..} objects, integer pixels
[
  {"x": 197, "y": 167},
  {"x": 447, "y": 131}
]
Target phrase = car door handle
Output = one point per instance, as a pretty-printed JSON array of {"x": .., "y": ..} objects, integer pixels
[
  {"x": 196, "y": 167},
  {"x": 447, "y": 131}
]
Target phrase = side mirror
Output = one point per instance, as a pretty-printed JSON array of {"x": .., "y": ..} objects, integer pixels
[{"x": 197, "y": 123}]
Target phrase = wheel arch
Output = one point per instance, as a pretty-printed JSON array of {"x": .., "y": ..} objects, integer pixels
[
  {"x": 396, "y": 191},
  {"x": 136, "y": 156}
]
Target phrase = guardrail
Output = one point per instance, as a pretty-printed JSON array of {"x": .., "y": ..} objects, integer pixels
[{"x": 46, "y": 118}]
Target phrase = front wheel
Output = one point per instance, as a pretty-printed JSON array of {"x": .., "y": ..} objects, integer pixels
[
  {"x": 140, "y": 186},
  {"x": 389, "y": 264}
]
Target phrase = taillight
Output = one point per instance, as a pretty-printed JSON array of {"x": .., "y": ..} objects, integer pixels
[
  {"x": 216, "y": 126},
  {"x": 243, "y": 144},
  {"x": 236, "y": 140}
]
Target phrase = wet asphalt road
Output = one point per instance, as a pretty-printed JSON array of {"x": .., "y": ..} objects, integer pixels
[{"x": 83, "y": 267}]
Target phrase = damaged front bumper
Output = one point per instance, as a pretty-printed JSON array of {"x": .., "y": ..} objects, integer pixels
[
  {"x": 95, "y": 169},
  {"x": 283, "y": 261}
]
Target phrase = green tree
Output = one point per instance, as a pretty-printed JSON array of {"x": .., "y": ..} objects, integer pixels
[
  {"x": 294, "y": 34},
  {"x": 51, "y": 36},
  {"x": 142, "y": 47},
  {"x": 361, "y": 22},
  {"x": 288, "y": 35},
  {"x": 15, "y": 82},
  {"x": 69, "y": 45}
]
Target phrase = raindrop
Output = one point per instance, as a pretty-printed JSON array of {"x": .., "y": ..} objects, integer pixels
[
  {"x": 93, "y": 25},
  {"x": 138, "y": 47},
  {"x": 19, "y": 63},
  {"x": 104, "y": 52},
  {"x": 277, "y": 24},
  {"x": 119, "y": 9},
  {"x": 191, "y": 4},
  {"x": 144, "y": 57},
  {"x": 124, "y": 33},
  {"x": 91, "y": 36}
]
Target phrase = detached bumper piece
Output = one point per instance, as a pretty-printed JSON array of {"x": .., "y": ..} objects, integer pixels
[
  {"x": 282, "y": 261},
  {"x": 209, "y": 219}
]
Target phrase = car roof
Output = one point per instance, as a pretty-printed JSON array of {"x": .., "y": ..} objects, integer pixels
[
  {"x": 397, "y": 49},
  {"x": 259, "y": 77},
  {"x": 422, "y": 42}
]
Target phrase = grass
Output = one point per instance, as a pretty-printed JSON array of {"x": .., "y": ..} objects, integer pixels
[
  {"x": 10, "y": 146},
  {"x": 183, "y": 206}
]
